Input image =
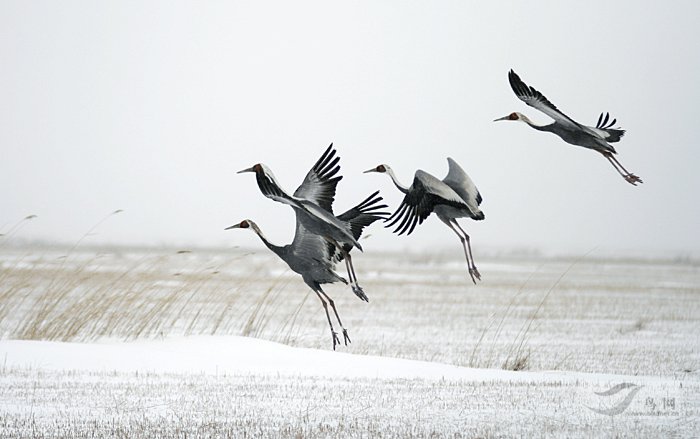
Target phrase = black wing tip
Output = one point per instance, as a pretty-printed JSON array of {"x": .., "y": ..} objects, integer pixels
[
  {"x": 518, "y": 86},
  {"x": 604, "y": 122},
  {"x": 326, "y": 161},
  {"x": 330, "y": 149},
  {"x": 514, "y": 77},
  {"x": 369, "y": 201}
]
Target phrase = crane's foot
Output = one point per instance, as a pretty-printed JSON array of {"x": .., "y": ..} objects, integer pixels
[
  {"x": 474, "y": 273},
  {"x": 346, "y": 336},
  {"x": 336, "y": 340},
  {"x": 359, "y": 292},
  {"x": 633, "y": 179}
]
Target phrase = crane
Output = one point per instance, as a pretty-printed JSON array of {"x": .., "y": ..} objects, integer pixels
[
  {"x": 453, "y": 197},
  {"x": 597, "y": 138},
  {"x": 312, "y": 202},
  {"x": 314, "y": 258}
]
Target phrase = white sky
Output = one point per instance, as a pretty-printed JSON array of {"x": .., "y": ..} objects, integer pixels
[{"x": 151, "y": 107}]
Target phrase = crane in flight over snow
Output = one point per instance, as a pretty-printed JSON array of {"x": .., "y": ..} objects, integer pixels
[
  {"x": 453, "y": 197},
  {"x": 313, "y": 204},
  {"x": 314, "y": 258},
  {"x": 321, "y": 239},
  {"x": 597, "y": 138}
]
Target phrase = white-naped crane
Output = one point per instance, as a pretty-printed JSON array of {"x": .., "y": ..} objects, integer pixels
[
  {"x": 313, "y": 204},
  {"x": 314, "y": 258},
  {"x": 597, "y": 138},
  {"x": 455, "y": 196}
]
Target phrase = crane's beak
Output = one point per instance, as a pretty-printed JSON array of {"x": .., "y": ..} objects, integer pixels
[
  {"x": 370, "y": 170},
  {"x": 235, "y": 226},
  {"x": 502, "y": 118},
  {"x": 251, "y": 169}
]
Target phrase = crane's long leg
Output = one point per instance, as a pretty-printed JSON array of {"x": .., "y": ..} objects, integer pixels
[
  {"x": 334, "y": 334},
  {"x": 345, "y": 331},
  {"x": 473, "y": 272},
  {"x": 356, "y": 288},
  {"x": 469, "y": 247},
  {"x": 628, "y": 176}
]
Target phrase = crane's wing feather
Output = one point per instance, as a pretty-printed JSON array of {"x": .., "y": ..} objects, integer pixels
[
  {"x": 460, "y": 182},
  {"x": 604, "y": 129},
  {"x": 321, "y": 180},
  {"x": 308, "y": 244},
  {"x": 537, "y": 100},
  {"x": 271, "y": 189},
  {"x": 359, "y": 217},
  {"x": 424, "y": 194}
]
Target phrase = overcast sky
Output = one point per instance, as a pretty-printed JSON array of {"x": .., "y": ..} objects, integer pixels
[{"x": 151, "y": 107}]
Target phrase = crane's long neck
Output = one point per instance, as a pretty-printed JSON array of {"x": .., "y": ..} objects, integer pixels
[
  {"x": 534, "y": 125},
  {"x": 275, "y": 248},
  {"x": 401, "y": 187}
]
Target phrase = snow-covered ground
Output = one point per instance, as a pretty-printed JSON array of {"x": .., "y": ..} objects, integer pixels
[
  {"x": 142, "y": 344},
  {"x": 237, "y": 385}
]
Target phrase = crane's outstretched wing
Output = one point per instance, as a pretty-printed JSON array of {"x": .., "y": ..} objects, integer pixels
[
  {"x": 425, "y": 193},
  {"x": 535, "y": 99},
  {"x": 604, "y": 129},
  {"x": 320, "y": 182},
  {"x": 460, "y": 182},
  {"x": 359, "y": 217}
]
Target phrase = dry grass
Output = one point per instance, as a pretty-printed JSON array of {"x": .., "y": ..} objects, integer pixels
[
  {"x": 64, "y": 298},
  {"x": 421, "y": 306}
]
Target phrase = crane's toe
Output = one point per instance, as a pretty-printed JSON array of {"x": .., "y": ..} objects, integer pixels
[
  {"x": 359, "y": 292},
  {"x": 336, "y": 340},
  {"x": 475, "y": 275},
  {"x": 633, "y": 179},
  {"x": 346, "y": 336}
]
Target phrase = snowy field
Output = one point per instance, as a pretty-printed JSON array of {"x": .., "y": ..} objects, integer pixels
[{"x": 144, "y": 343}]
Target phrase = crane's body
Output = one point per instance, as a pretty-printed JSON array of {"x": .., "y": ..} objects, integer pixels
[
  {"x": 453, "y": 197},
  {"x": 305, "y": 256},
  {"x": 598, "y": 138},
  {"x": 579, "y": 136}
]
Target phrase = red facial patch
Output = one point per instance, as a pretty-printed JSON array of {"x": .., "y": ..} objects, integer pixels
[
  {"x": 258, "y": 168},
  {"x": 381, "y": 168},
  {"x": 244, "y": 225},
  {"x": 513, "y": 116}
]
